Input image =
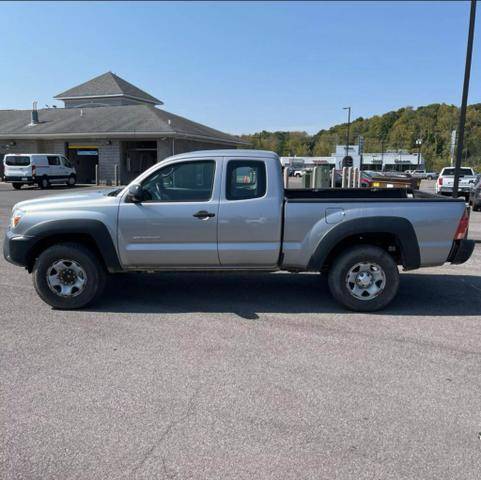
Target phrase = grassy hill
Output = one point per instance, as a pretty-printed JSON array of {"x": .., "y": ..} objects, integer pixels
[{"x": 396, "y": 130}]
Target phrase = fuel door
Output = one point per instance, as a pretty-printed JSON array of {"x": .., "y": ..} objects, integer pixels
[{"x": 335, "y": 215}]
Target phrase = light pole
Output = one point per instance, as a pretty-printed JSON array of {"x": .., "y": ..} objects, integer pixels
[
  {"x": 348, "y": 126},
  {"x": 419, "y": 142},
  {"x": 464, "y": 101}
]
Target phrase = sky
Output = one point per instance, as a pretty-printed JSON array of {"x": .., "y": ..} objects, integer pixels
[{"x": 244, "y": 67}]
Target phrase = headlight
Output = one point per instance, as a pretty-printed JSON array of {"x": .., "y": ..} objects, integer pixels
[{"x": 16, "y": 217}]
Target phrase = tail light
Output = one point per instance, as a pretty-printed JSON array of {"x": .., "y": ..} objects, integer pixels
[
  {"x": 440, "y": 180},
  {"x": 462, "y": 230},
  {"x": 33, "y": 170}
]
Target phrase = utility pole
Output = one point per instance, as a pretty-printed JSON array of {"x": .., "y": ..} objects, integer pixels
[
  {"x": 452, "y": 147},
  {"x": 348, "y": 127},
  {"x": 382, "y": 153},
  {"x": 464, "y": 101},
  {"x": 361, "y": 152},
  {"x": 419, "y": 142}
]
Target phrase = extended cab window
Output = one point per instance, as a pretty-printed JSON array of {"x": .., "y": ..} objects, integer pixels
[
  {"x": 181, "y": 182},
  {"x": 53, "y": 160},
  {"x": 245, "y": 179}
]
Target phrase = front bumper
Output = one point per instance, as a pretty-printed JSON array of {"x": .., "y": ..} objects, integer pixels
[
  {"x": 461, "y": 251},
  {"x": 16, "y": 248}
]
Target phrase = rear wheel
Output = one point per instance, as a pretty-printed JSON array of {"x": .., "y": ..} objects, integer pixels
[
  {"x": 68, "y": 276},
  {"x": 364, "y": 278},
  {"x": 17, "y": 186}
]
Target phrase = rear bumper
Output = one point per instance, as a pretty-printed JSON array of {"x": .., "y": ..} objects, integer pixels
[
  {"x": 16, "y": 248},
  {"x": 27, "y": 179},
  {"x": 461, "y": 251},
  {"x": 449, "y": 190}
]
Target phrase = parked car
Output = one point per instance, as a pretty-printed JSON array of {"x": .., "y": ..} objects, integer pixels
[
  {"x": 393, "y": 180},
  {"x": 475, "y": 194},
  {"x": 424, "y": 174},
  {"x": 38, "y": 169},
  {"x": 228, "y": 210},
  {"x": 375, "y": 179},
  {"x": 445, "y": 182}
]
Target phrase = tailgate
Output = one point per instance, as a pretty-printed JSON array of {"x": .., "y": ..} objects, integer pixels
[
  {"x": 448, "y": 181},
  {"x": 466, "y": 181}
]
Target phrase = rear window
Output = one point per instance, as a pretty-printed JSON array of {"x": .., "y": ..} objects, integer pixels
[
  {"x": 462, "y": 171},
  {"x": 17, "y": 161}
]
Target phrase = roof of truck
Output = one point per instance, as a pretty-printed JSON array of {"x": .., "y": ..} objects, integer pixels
[{"x": 239, "y": 153}]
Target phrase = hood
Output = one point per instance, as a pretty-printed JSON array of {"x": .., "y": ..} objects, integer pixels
[{"x": 67, "y": 200}]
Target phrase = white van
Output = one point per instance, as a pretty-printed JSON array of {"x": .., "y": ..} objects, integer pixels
[{"x": 42, "y": 169}]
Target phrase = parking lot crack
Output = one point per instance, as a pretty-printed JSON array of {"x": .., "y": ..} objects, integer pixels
[{"x": 188, "y": 412}]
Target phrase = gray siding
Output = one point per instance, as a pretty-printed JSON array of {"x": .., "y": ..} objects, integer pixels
[{"x": 109, "y": 157}]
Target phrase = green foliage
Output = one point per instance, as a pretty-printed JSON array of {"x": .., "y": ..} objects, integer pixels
[{"x": 392, "y": 131}]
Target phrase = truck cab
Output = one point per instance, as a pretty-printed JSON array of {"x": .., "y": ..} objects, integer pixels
[{"x": 219, "y": 209}]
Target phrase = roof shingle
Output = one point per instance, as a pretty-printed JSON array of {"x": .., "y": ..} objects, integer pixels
[
  {"x": 107, "y": 85},
  {"x": 120, "y": 121}
]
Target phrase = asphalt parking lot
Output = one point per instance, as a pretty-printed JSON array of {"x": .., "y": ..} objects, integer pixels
[{"x": 241, "y": 376}]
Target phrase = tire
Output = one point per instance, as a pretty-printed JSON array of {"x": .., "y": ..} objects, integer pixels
[
  {"x": 377, "y": 266},
  {"x": 71, "y": 181},
  {"x": 430, "y": 178},
  {"x": 65, "y": 258},
  {"x": 17, "y": 186},
  {"x": 43, "y": 183}
]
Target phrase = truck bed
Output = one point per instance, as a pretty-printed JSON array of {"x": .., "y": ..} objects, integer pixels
[
  {"x": 305, "y": 195},
  {"x": 310, "y": 214}
]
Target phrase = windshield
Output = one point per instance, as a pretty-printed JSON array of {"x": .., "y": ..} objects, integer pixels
[
  {"x": 462, "y": 171},
  {"x": 17, "y": 161}
]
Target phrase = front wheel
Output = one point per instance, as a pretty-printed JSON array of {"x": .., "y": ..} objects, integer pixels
[
  {"x": 71, "y": 181},
  {"x": 364, "y": 278},
  {"x": 43, "y": 183},
  {"x": 68, "y": 276}
]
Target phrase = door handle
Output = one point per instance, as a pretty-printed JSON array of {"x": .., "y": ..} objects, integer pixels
[{"x": 203, "y": 214}]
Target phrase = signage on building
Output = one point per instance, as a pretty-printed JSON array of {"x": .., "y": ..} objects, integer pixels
[{"x": 87, "y": 152}]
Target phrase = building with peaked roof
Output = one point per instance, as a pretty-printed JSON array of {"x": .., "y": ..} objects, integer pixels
[{"x": 107, "y": 125}]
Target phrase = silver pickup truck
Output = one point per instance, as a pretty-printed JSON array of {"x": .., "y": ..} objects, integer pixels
[{"x": 228, "y": 210}]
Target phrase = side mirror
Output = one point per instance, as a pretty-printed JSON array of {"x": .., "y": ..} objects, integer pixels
[{"x": 135, "y": 193}]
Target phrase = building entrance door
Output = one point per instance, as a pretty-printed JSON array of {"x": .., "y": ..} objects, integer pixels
[{"x": 84, "y": 159}]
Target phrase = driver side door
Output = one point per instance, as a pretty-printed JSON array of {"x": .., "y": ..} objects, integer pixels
[{"x": 175, "y": 226}]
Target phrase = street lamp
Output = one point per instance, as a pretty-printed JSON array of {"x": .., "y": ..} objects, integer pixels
[
  {"x": 419, "y": 142},
  {"x": 348, "y": 126}
]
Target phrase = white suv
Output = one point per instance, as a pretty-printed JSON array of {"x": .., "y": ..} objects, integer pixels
[{"x": 43, "y": 169}]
